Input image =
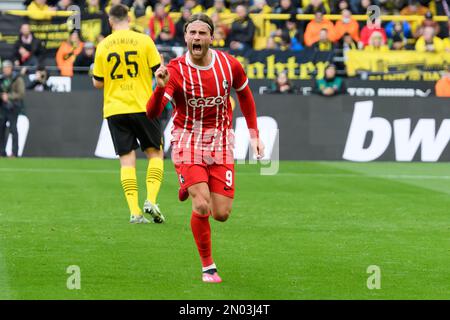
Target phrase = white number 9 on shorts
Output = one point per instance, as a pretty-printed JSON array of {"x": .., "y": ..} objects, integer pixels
[{"x": 229, "y": 178}]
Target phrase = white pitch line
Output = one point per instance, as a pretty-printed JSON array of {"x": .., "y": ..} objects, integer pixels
[{"x": 294, "y": 174}]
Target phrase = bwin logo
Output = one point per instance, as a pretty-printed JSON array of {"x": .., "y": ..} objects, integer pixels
[{"x": 406, "y": 141}]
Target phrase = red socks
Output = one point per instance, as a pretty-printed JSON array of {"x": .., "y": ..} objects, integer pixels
[{"x": 202, "y": 235}]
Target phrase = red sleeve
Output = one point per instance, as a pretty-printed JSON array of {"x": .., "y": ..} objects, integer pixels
[
  {"x": 240, "y": 79},
  {"x": 245, "y": 96},
  {"x": 162, "y": 96},
  {"x": 155, "y": 105},
  {"x": 248, "y": 108}
]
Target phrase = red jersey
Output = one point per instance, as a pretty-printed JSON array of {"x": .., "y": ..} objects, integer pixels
[{"x": 201, "y": 98}]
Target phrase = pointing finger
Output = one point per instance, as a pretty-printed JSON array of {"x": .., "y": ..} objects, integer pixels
[{"x": 162, "y": 59}]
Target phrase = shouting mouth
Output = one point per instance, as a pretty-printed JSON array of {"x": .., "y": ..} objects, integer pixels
[{"x": 197, "y": 48}]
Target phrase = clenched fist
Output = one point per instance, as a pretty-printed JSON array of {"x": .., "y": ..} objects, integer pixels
[{"x": 162, "y": 75}]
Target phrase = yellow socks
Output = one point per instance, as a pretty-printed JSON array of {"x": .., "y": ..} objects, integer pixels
[
  {"x": 130, "y": 188},
  {"x": 154, "y": 178}
]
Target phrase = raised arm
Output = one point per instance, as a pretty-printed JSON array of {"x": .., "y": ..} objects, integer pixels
[
  {"x": 247, "y": 105},
  {"x": 248, "y": 108},
  {"x": 156, "y": 104}
]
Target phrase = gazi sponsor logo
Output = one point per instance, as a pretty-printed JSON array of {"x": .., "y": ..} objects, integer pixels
[{"x": 207, "y": 102}]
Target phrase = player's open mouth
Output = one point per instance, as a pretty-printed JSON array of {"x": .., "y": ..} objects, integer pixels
[{"x": 197, "y": 48}]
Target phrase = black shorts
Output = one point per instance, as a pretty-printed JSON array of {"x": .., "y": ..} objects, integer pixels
[{"x": 130, "y": 130}]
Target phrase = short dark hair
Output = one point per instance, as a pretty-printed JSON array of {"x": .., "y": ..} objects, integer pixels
[
  {"x": 200, "y": 17},
  {"x": 119, "y": 12}
]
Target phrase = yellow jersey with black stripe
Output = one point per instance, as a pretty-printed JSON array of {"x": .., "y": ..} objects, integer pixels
[{"x": 124, "y": 62}]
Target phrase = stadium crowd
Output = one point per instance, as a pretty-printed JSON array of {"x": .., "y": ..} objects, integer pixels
[
  {"x": 240, "y": 32},
  {"x": 238, "y": 24}
]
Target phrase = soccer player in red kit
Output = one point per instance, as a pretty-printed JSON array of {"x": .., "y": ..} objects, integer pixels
[{"x": 198, "y": 84}]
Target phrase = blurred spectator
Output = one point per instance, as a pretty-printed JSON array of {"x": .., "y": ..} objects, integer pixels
[
  {"x": 178, "y": 5},
  {"x": 12, "y": 90},
  {"x": 271, "y": 43},
  {"x": 234, "y": 3},
  {"x": 85, "y": 58},
  {"x": 370, "y": 28},
  {"x": 446, "y": 43},
  {"x": 360, "y": 7},
  {"x": 39, "y": 10},
  {"x": 111, "y": 4},
  {"x": 397, "y": 36},
  {"x": 394, "y": 27},
  {"x": 220, "y": 31},
  {"x": 347, "y": 43},
  {"x": 285, "y": 7},
  {"x": 282, "y": 84},
  {"x": 63, "y": 5},
  {"x": 376, "y": 43},
  {"x": 295, "y": 35},
  {"x": 140, "y": 8},
  {"x": 67, "y": 52},
  {"x": 414, "y": 8},
  {"x": 429, "y": 42},
  {"x": 140, "y": 14},
  {"x": 128, "y": 3},
  {"x": 330, "y": 84},
  {"x": 324, "y": 43},
  {"x": 347, "y": 25},
  {"x": 279, "y": 40},
  {"x": 242, "y": 30},
  {"x": 442, "y": 86},
  {"x": 442, "y": 8},
  {"x": 260, "y": 6},
  {"x": 340, "y": 6},
  {"x": 313, "y": 28},
  {"x": 93, "y": 6},
  {"x": 27, "y": 49},
  {"x": 316, "y": 6},
  {"x": 219, "y": 7},
  {"x": 179, "y": 26},
  {"x": 209, "y": 3},
  {"x": 193, "y": 6},
  {"x": 391, "y": 7},
  {"x": 427, "y": 22},
  {"x": 161, "y": 26},
  {"x": 40, "y": 82},
  {"x": 285, "y": 41},
  {"x": 167, "y": 5}
]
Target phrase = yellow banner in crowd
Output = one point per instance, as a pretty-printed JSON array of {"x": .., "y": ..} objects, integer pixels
[{"x": 394, "y": 61}]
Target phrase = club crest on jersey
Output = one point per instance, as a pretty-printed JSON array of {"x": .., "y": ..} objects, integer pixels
[
  {"x": 207, "y": 102},
  {"x": 225, "y": 84}
]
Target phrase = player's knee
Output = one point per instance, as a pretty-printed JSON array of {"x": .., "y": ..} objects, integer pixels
[
  {"x": 201, "y": 205},
  {"x": 128, "y": 160},
  {"x": 222, "y": 215},
  {"x": 154, "y": 153}
]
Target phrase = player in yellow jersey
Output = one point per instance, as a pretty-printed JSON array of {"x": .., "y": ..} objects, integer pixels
[{"x": 124, "y": 64}]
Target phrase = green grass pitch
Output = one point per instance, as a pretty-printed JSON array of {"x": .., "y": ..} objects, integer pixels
[{"x": 309, "y": 232}]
